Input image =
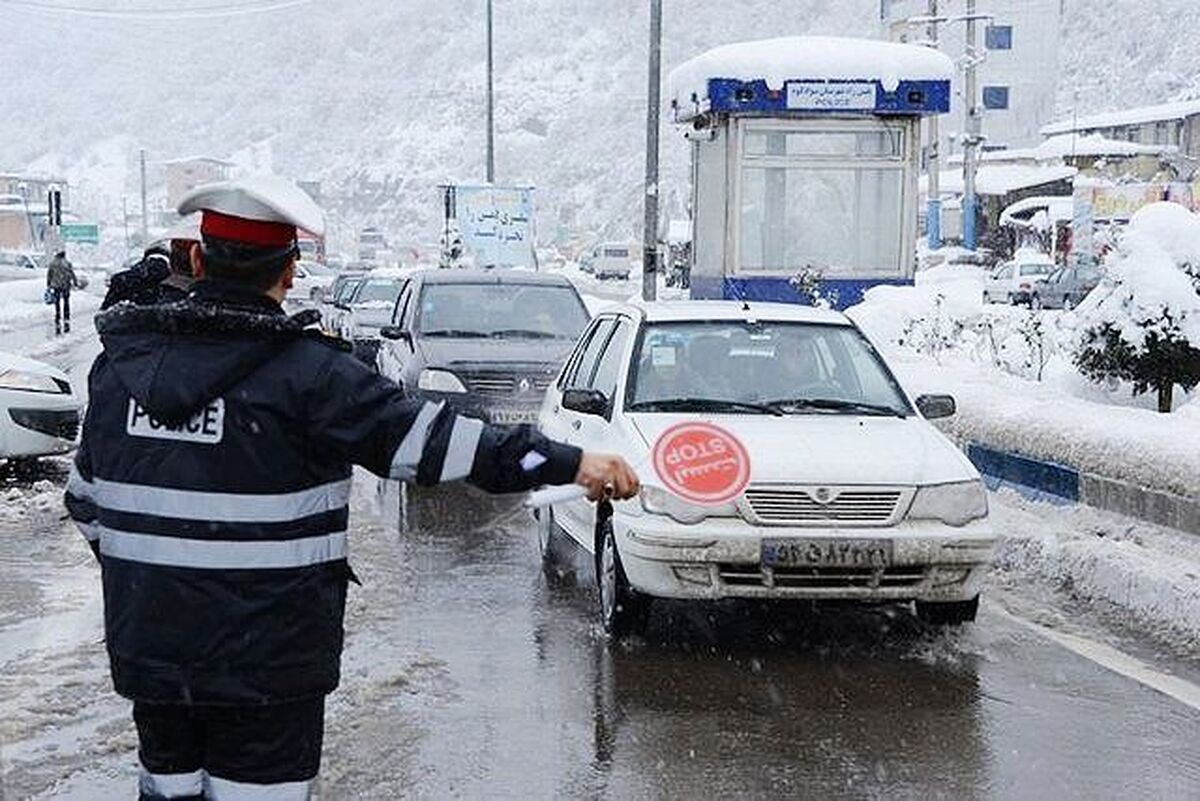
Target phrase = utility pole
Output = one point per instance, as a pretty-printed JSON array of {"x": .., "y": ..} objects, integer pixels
[
  {"x": 491, "y": 117},
  {"x": 933, "y": 211},
  {"x": 650, "y": 229},
  {"x": 971, "y": 138},
  {"x": 145, "y": 213}
]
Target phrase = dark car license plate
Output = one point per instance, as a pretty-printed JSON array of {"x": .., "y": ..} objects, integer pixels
[{"x": 826, "y": 552}]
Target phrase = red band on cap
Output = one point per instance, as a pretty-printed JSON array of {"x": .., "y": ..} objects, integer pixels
[{"x": 250, "y": 232}]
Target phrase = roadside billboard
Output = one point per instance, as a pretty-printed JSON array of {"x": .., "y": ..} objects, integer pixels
[{"x": 495, "y": 223}]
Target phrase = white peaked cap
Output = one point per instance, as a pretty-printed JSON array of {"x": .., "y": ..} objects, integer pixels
[{"x": 265, "y": 198}]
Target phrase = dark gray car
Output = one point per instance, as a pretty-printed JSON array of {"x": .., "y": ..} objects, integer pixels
[
  {"x": 487, "y": 342},
  {"x": 1066, "y": 287}
]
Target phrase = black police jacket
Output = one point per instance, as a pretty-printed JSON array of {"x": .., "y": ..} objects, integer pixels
[{"x": 213, "y": 477}]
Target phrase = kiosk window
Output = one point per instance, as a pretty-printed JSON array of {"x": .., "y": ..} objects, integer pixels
[
  {"x": 838, "y": 221},
  {"x": 879, "y": 143}
]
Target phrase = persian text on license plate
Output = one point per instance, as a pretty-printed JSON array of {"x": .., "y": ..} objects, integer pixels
[
  {"x": 831, "y": 552},
  {"x": 513, "y": 416}
]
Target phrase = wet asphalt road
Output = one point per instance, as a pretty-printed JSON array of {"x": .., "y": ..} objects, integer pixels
[
  {"x": 519, "y": 694},
  {"x": 468, "y": 674}
]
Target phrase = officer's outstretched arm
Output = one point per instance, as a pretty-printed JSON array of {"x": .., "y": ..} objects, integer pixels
[{"x": 364, "y": 418}]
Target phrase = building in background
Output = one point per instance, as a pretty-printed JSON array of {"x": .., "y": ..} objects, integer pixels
[
  {"x": 185, "y": 174},
  {"x": 24, "y": 213},
  {"x": 1167, "y": 126},
  {"x": 1018, "y": 76}
]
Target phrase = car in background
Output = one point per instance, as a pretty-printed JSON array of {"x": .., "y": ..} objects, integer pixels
[
  {"x": 1066, "y": 287},
  {"x": 367, "y": 311},
  {"x": 487, "y": 343},
  {"x": 612, "y": 261},
  {"x": 334, "y": 301},
  {"x": 39, "y": 411},
  {"x": 19, "y": 260},
  {"x": 310, "y": 281},
  {"x": 1016, "y": 281},
  {"x": 852, "y": 494}
]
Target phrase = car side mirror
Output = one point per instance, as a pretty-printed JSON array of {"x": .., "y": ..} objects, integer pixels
[
  {"x": 935, "y": 407},
  {"x": 586, "y": 401},
  {"x": 395, "y": 332},
  {"x": 342, "y": 306}
]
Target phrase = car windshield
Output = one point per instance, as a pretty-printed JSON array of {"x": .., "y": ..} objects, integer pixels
[
  {"x": 734, "y": 366},
  {"x": 376, "y": 291},
  {"x": 1035, "y": 269},
  {"x": 501, "y": 311},
  {"x": 348, "y": 289}
]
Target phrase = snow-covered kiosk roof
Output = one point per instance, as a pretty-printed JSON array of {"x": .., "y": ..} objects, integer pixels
[{"x": 806, "y": 74}]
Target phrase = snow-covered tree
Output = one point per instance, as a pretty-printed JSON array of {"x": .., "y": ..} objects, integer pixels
[{"x": 1143, "y": 324}]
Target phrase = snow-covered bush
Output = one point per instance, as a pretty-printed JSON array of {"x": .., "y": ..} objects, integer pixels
[{"x": 1143, "y": 324}]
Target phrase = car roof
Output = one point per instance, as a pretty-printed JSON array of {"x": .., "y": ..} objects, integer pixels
[
  {"x": 704, "y": 310},
  {"x": 497, "y": 276}
]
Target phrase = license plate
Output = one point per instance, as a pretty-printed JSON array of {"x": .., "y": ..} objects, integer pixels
[
  {"x": 823, "y": 552},
  {"x": 514, "y": 416}
]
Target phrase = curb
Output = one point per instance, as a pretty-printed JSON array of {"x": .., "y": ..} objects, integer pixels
[{"x": 1065, "y": 485}]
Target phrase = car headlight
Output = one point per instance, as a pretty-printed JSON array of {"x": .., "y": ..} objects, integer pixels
[
  {"x": 658, "y": 501},
  {"x": 440, "y": 381},
  {"x": 955, "y": 504},
  {"x": 32, "y": 382}
]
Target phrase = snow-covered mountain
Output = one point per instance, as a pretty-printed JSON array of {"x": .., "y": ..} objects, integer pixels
[{"x": 382, "y": 99}]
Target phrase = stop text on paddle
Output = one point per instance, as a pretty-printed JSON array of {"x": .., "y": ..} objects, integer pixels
[{"x": 701, "y": 463}]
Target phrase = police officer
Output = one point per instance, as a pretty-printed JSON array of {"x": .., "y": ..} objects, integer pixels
[
  {"x": 213, "y": 480},
  {"x": 164, "y": 274}
]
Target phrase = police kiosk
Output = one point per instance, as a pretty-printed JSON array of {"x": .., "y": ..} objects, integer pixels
[{"x": 805, "y": 154}]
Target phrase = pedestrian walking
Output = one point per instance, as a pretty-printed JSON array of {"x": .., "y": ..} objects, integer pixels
[
  {"x": 60, "y": 279},
  {"x": 212, "y": 481}
]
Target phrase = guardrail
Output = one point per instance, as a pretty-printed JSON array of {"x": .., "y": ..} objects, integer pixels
[{"x": 1064, "y": 484}]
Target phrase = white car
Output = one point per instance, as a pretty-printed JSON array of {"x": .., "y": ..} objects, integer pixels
[
  {"x": 39, "y": 412},
  {"x": 1016, "y": 281},
  {"x": 851, "y": 494}
]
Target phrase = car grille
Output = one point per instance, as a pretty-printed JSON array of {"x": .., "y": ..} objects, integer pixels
[
  {"x": 61, "y": 424},
  {"x": 822, "y": 577},
  {"x": 495, "y": 384},
  {"x": 800, "y": 506}
]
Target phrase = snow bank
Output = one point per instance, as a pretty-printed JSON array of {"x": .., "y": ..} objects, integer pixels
[
  {"x": 938, "y": 337},
  {"x": 807, "y": 57},
  {"x": 1142, "y": 569},
  {"x": 22, "y": 302}
]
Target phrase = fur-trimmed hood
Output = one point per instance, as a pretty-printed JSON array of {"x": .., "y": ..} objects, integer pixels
[{"x": 174, "y": 358}]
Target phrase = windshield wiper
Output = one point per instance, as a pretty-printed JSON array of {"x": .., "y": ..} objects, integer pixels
[
  {"x": 701, "y": 405},
  {"x": 454, "y": 332},
  {"x": 527, "y": 333},
  {"x": 835, "y": 405}
]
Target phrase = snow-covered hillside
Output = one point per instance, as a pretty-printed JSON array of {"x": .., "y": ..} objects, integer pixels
[
  {"x": 382, "y": 99},
  {"x": 381, "y": 91}
]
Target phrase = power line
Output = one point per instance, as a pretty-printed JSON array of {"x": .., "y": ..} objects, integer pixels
[{"x": 194, "y": 12}]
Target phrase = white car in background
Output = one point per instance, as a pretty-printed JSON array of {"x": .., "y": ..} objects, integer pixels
[
  {"x": 1017, "y": 281},
  {"x": 852, "y": 493},
  {"x": 39, "y": 412}
]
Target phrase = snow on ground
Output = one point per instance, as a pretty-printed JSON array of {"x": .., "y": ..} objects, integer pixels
[
  {"x": 952, "y": 343},
  {"x": 22, "y": 302}
]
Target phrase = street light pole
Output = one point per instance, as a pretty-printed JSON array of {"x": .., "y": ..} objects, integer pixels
[
  {"x": 145, "y": 222},
  {"x": 650, "y": 224},
  {"x": 972, "y": 138},
  {"x": 933, "y": 212},
  {"x": 491, "y": 119}
]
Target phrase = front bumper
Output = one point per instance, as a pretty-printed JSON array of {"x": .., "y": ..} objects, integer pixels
[
  {"x": 721, "y": 558},
  {"x": 490, "y": 410},
  {"x": 39, "y": 431}
]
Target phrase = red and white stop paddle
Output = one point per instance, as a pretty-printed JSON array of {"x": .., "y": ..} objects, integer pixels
[{"x": 700, "y": 462}]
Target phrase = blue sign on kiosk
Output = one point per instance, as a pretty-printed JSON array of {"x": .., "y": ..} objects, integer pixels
[{"x": 805, "y": 154}]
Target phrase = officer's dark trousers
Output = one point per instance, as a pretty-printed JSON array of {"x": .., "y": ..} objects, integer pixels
[
  {"x": 62, "y": 308},
  {"x": 229, "y": 752}
]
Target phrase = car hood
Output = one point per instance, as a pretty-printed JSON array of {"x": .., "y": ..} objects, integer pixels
[
  {"x": 11, "y": 361},
  {"x": 494, "y": 352},
  {"x": 832, "y": 449}
]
